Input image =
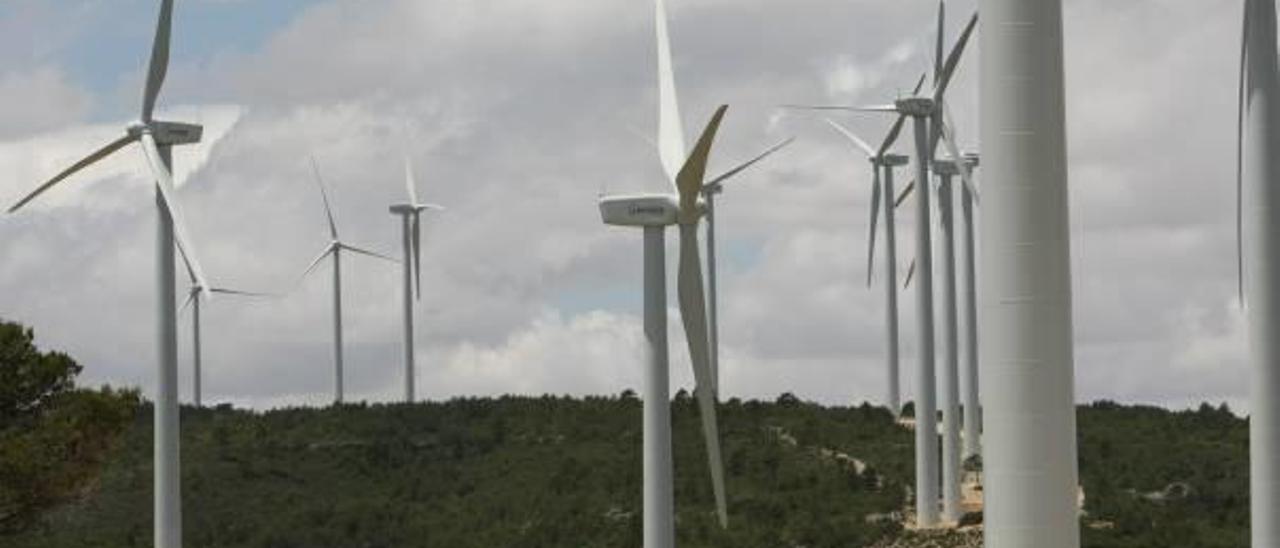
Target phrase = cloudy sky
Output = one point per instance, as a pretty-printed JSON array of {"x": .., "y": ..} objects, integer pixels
[{"x": 517, "y": 115}]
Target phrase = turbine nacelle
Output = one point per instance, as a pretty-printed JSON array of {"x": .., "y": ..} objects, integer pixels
[
  {"x": 406, "y": 209},
  {"x": 167, "y": 133},
  {"x": 919, "y": 107},
  {"x": 892, "y": 160},
  {"x": 952, "y": 168},
  {"x": 640, "y": 210}
]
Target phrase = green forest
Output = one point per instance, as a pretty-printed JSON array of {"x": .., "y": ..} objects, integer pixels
[{"x": 75, "y": 471}]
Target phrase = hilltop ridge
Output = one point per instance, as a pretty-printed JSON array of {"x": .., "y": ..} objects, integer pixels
[{"x": 554, "y": 471}]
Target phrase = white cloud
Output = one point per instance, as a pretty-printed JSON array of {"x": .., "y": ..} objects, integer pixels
[
  {"x": 39, "y": 100},
  {"x": 592, "y": 353},
  {"x": 518, "y": 113}
]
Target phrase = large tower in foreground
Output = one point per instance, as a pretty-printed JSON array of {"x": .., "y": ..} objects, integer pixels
[
  {"x": 1260, "y": 256},
  {"x": 1025, "y": 308}
]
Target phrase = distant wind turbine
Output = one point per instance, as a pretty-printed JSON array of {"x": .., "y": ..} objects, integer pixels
[
  {"x": 951, "y": 448},
  {"x": 969, "y": 327},
  {"x": 683, "y": 206},
  {"x": 156, "y": 139},
  {"x": 1257, "y": 222},
  {"x": 709, "y": 191},
  {"x": 194, "y": 295},
  {"x": 922, "y": 109},
  {"x": 335, "y": 248},
  {"x": 883, "y": 164},
  {"x": 411, "y": 227}
]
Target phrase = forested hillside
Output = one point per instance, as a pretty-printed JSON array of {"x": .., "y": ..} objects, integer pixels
[{"x": 564, "y": 472}]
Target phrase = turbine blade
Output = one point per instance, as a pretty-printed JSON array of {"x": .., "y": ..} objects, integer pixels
[
  {"x": 693, "y": 314},
  {"x": 159, "y": 60},
  {"x": 86, "y": 162},
  {"x": 225, "y": 291},
  {"x": 416, "y": 236},
  {"x": 940, "y": 37},
  {"x": 906, "y": 191},
  {"x": 875, "y": 217},
  {"x": 949, "y": 69},
  {"x": 362, "y": 251},
  {"x": 192, "y": 295},
  {"x": 328, "y": 210},
  {"x": 857, "y": 141},
  {"x": 1240, "y": 106},
  {"x": 671, "y": 146},
  {"x": 732, "y": 172},
  {"x": 689, "y": 179},
  {"x": 164, "y": 182},
  {"x": 410, "y": 182},
  {"x": 911, "y": 273},
  {"x": 949, "y": 141},
  {"x": 840, "y": 108},
  {"x": 327, "y": 250},
  {"x": 191, "y": 274}
]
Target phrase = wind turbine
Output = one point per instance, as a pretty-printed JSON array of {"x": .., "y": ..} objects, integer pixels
[
  {"x": 882, "y": 194},
  {"x": 923, "y": 109},
  {"x": 1029, "y": 426},
  {"x": 972, "y": 403},
  {"x": 410, "y": 214},
  {"x": 709, "y": 191},
  {"x": 156, "y": 139},
  {"x": 1258, "y": 172},
  {"x": 194, "y": 294},
  {"x": 951, "y": 448},
  {"x": 335, "y": 248},
  {"x": 684, "y": 207},
  {"x": 952, "y": 468}
]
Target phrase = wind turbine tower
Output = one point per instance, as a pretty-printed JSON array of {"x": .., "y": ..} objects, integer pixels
[
  {"x": 972, "y": 401},
  {"x": 1029, "y": 433},
  {"x": 1258, "y": 201},
  {"x": 951, "y": 446},
  {"x": 411, "y": 227}
]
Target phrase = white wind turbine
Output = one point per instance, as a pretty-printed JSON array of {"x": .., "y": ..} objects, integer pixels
[
  {"x": 1029, "y": 426},
  {"x": 955, "y": 164},
  {"x": 947, "y": 169},
  {"x": 709, "y": 191},
  {"x": 882, "y": 194},
  {"x": 923, "y": 109},
  {"x": 156, "y": 140},
  {"x": 684, "y": 207},
  {"x": 335, "y": 248},
  {"x": 1258, "y": 172},
  {"x": 195, "y": 294},
  {"x": 952, "y": 468},
  {"x": 410, "y": 214}
]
